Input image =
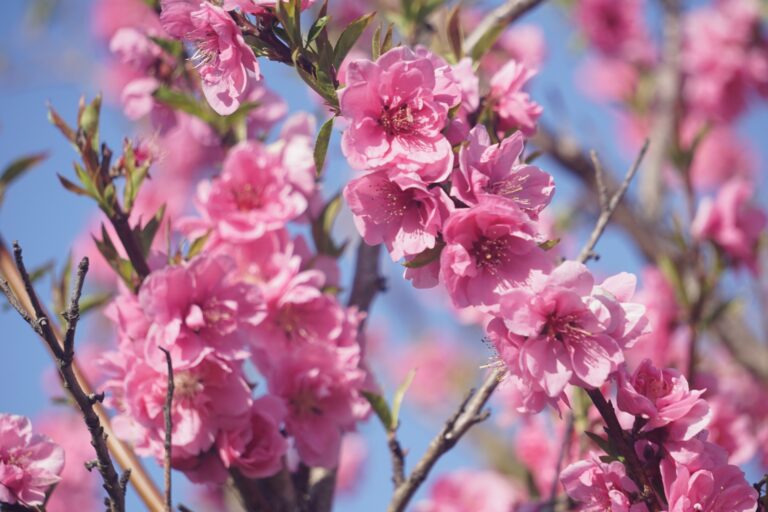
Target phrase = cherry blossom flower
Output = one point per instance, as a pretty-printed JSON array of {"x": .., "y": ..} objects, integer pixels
[
  {"x": 616, "y": 29},
  {"x": 471, "y": 491},
  {"x": 401, "y": 212},
  {"x": 253, "y": 195},
  {"x": 597, "y": 486},
  {"x": 321, "y": 387},
  {"x": 30, "y": 463},
  {"x": 396, "y": 111},
  {"x": 354, "y": 455},
  {"x": 663, "y": 399},
  {"x": 489, "y": 249},
  {"x": 495, "y": 169},
  {"x": 227, "y": 66},
  {"x": 514, "y": 107},
  {"x": 256, "y": 447},
  {"x": 731, "y": 222}
]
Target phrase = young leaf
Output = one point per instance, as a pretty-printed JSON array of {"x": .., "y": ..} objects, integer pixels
[
  {"x": 376, "y": 43},
  {"x": 380, "y": 407},
  {"x": 197, "y": 245},
  {"x": 16, "y": 169},
  {"x": 349, "y": 37},
  {"x": 56, "y": 120},
  {"x": 321, "y": 228},
  {"x": 397, "y": 400},
  {"x": 146, "y": 235},
  {"x": 316, "y": 27},
  {"x": 549, "y": 244},
  {"x": 455, "y": 35},
  {"x": 321, "y": 145},
  {"x": 386, "y": 45},
  {"x": 486, "y": 41},
  {"x": 426, "y": 256},
  {"x": 180, "y": 101},
  {"x": 72, "y": 187}
]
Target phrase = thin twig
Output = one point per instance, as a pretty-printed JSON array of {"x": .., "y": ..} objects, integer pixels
[
  {"x": 602, "y": 191},
  {"x": 112, "y": 481},
  {"x": 398, "y": 459},
  {"x": 498, "y": 18},
  {"x": 471, "y": 412},
  {"x": 606, "y": 213},
  {"x": 168, "y": 418},
  {"x": 72, "y": 314}
]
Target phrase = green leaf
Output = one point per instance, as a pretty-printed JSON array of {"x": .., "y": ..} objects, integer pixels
[
  {"x": 549, "y": 244},
  {"x": 321, "y": 145},
  {"x": 486, "y": 41},
  {"x": 455, "y": 34},
  {"x": 198, "y": 244},
  {"x": 376, "y": 43},
  {"x": 38, "y": 272},
  {"x": 172, "y": 47},
  {"x": 56, "y": 120},
  {"x": 386, "y": 45},
  {"x": 146, "y": 235},
  {"x": 599, "y": 441},
  {"x": 72, "y": 187},
  {"x": 179, "y": 101},
  {"x": 316, "y": 27},
  {"x": 18, "y": 167},
  {"x": 380, "y": 407},
  {"x": 397, "y": 400},
  {"x": 94, "y": 301},
  {"x": 349, "y": 37},
  {"x": 322, "y": 226},
  {"x": 88, "y": 121},
  {"x": 426, "y": 256},
  {"x": 533, "y": 156}
]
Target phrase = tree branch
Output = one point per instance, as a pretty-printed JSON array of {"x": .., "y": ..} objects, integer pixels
[
  {"x": 112, "y": 482},
  {"x": 470, "y": 412},
  {"x": 608, "y": 209},
  {"x": 496, "y": 20},
  {"x": 139, "y": 478}
]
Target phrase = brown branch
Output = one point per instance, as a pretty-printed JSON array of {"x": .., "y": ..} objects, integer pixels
[
  {"x": 272, "y": 494},
  {"x": 168, "y": 418},
  {"x": 112, "y": 481},
  {"x": 470, "y": 412},
  {"x": 131, "y": 465},
  {"x": 398, "y": 458},
  {"x": 124, "y": 232},
  {"x": 607, "y": 211},
  {"x": 664, "y": 127},
  {"x": 498, "y": 18}
]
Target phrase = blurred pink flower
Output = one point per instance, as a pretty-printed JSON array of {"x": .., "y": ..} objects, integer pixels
[
  {"x": 354, "y": 455},
  {"x": 732, "y": 223},
  {"x": 30, "y": 463},
  {"x": 721, "y": 156},
  {"x": 598, "y": 486},
  {"x": 467, "y": 490},
  {"x": 616, "y": 29}
]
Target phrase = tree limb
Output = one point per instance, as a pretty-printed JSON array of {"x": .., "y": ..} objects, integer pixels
[
  {"x": 496, "y": 20},
  {"x": 168, "y": 419}
]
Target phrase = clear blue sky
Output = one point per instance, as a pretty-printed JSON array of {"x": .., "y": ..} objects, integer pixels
[{"x": 56, "y": 63}]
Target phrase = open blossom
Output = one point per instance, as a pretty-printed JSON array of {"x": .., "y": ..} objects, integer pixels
[
  {"x": 256, "y": 446},
  {"x": 401, "y": 212},
  {"x": 487, "y": 169},
  {"x": 662, "y": 397},
  {"x": 227, "y": 66},
  {"x": 562, "y": 329},
  {"x": 397, "y": 108},
  {"x": 471, "y": 491},
  {"x": 30, "y": 463},
  {"x": 208, "y": 396},
  {"x": 489, "y": 249},
  {"x": 514, "y": 107},
  {"x": 322, "y": 388},
  {"x": 252, "y": 195},
  {"x": 731, "y": 222},
  {"x": 712, "y": 488},
  {"x": 720, "y": 156},
  {"x": 352, "y": 462},
  {"x": 198, "y": 308},
  {"x": 597, "y": 486}
]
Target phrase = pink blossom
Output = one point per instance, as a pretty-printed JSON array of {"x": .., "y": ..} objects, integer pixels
[
  {"x": 65, "y": 427},
  {"x": 489, "y": 249},
  {"x": 208, "y": 396},
  {"x": 731, "y": 222},
  {"x": 496, "y": 169},
  {"x": 663, "y": 399},
  {"x": 137, "y": 97},
  {"x": 134, "y": 47},
  {"x": 721, "y": 156},
  {"x": 272, "y": 108},
  {"x": 184, "y": 147},
  {"x": 401, "y": 212},
  {"x": 321, "y": 386},
  {"x": 615, "y": 28},
  {"x": 256, "y": 447},
  {"x": 562, "y": 329},
  {"x": 597, "y": 486},
  {"x": 710, "y": 489},
  {"x": 227, "y": 65},
  {"x": 108, "y": 16},
  {"x": 539, "y": 450},
  {"x": 608, "y": 79},
  {"x": 514, "y": 107},
  {"x": 294, "y": 149},
  {"x": 354, "y": 455},
  {"x": 198, "y": 308},
  {"x": 471, "y": 491},
  {"x": 396, "y": 110},
  {"x": 253, "y": 195},
  {"x": 30, "y": 463}
]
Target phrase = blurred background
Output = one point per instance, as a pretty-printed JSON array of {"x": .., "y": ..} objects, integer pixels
[{"x": 52, "y": 53}]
